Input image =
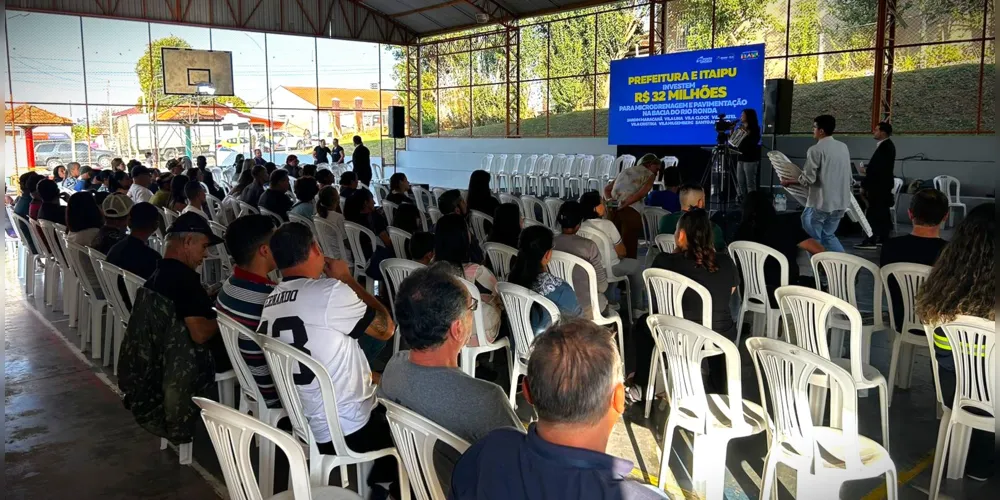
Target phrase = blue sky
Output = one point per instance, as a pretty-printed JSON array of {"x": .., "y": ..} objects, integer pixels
[{"x": 48, "y": 60}]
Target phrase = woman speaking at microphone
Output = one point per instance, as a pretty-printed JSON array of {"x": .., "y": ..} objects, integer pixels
[{"x": 749, "y": 160}]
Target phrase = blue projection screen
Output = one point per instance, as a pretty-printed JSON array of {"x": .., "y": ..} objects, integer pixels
[{"x": 675, "y": 99}]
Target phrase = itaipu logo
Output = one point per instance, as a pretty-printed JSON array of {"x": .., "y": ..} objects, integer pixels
[
  {"x": 704, "y": 60},
  {"x": 750, "y": 54}
]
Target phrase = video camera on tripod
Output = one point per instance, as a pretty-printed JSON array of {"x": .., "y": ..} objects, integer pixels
[{"x": 722, "y": 128}]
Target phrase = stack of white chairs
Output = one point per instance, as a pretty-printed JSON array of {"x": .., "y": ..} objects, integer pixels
[
  {"x": 553, "y": 182},
  {"x": 621, "y": 163},
  {"x": 750, "y": 257},
  {"x": 602, "y": 173},
  {"x": 487, "y": 164},
  {"x": 509, "y": 172},
  {"x": 535, "y": 182},
  {"x": 525, "y": 172},
  {"x": 517, "y": 303},
  {"x": 498, "y": 173},
  {"x": 714, "y": 419},
  {"x": 288, "y": 364},
  {"x": 232, "y": 433},
  {"x": 810, "y": 313},
  {"x": 563, "y": 265},
  {"x": 580, "y": 176},
  {"x": 822, "y": 457}
]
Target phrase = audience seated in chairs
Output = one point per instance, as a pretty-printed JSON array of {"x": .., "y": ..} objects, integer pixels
[
  {"x": 629, "y": 189},
  {"x": 342, "y": 326},
  {"x": 132, "y": 253},
  {"x": 28, "y": 182},
  {"x": 667, "y": 198},
  {"x": 325, "y": 178},
  {"x": 451, "y": 202},
  {"x": 348, "y": 184},
  {"x": 51, "y": 209},
  {"x": 306, "y": 190},
  {"x": 530, "y": 270},
  {"x": 570, "y": 218},
  {"x": 480, "y": 198},
  {"x": 594, "y": 212},
  {"x": 307, "y": 170},
  {"x": 692, "y": 196},
  {"x": 507, "y": 225},
  {"x": 251, "y": 193},
  {"x": 328, "y": 207},
  {"x": 83, "y": 222},
  {"x": 434, "y": 314},
  {"x": 195, "y": 193},
  {"x": 116, "y": 208},
  {"x": 242, "y": 296},
  {"x": 360, "y": 209},
  {"x": 244, "y": 181},
  {"x": 574, "y": 382},
  {"x": 963, "y": 281},
  {"x": 452, "y": 241},
  {"x": 399, "y": 188},
  {"x": 407, "y": 218},
  {"x": 760, "y": 224},
  {"x": 178, "y": 196},
  {"x": 421, "y": 247},
  {"x": 274, "y": 198},
  {"x": 36, "y": 199},
  {"x": 161, "y": 198},
  {"x": 696, "y": 259},
  {"x": 928, "y": 211}
]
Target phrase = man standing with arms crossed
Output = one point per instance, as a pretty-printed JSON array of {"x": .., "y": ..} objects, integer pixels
[{"x": 827, "y": 175}]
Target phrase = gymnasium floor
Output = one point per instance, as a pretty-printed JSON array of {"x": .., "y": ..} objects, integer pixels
[{"x": 67, "y": 434}]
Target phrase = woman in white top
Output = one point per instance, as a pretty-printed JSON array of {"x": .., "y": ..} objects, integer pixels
[
  {"x": 452, "y": 240},
  {"x": 594, "y": 210},
  {"x": 328, "y": 207}
]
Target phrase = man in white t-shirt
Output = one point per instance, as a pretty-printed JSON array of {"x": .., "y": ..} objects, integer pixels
[
  {"x": 328, "y": 318},
  {"x": 141, "y": 179}
]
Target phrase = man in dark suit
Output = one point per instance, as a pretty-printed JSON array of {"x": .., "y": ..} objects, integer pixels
[
  {"x": 877, "y": 187},
  {"x": 362, "y": 160}
]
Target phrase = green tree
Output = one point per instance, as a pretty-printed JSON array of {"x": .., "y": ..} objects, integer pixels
[
  {"x": 82, "y": 133},
  {"x": 149, "y": 69}
]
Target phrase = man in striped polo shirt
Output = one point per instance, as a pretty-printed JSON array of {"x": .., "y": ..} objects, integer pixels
[{"x": 243, "y": 294}]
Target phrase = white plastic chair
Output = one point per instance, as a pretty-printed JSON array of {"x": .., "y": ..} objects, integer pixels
[
  {"x": 395, "y": 271},
  {"x": 381, "y": 191},
  {"x": 274, "y": 217},
  {"x": 579, "y": 174},
  {"x": 897, "y": 186},
  {"x": 389, "y": 209},
  {"x": 908, "y": 331},
  {"x": 169, "y": 216},
  {"x": 525, "y": 172},
  {"x": 517, "y": 303},
  {"x": 602, "y": 172},
  {"x": 232, "y": 433},
  {"x": 244, "y": 209},
  {"x": 500, "y": 256},
  {"x": 434, "y": 214},
  {"x": 478, "y": 222},
  {"x": 214, "y": 208},
  {"x": 399, "y": 239},
  {"x": 751, "y": 256},
  {"x": 301, "y": 219},
  {"x": 109, "y": 288},
  {"x": 621, "y": 163},
  {"x": 555, "y": 181},
  {"x": 651, "y": 223},
  {"x": 423, "y": 200},
  {"x": 509, "y": 198},
  {"x": 220, "y": 251},
  {"x": 536, "y": 181},
  {"x": 112, "y": 274},
  {"x": 553, "y": 205},
  {"x": 529, "y": 203},
  {"x": 666, "y": 243},
  {"x": 487, "y": 163},
  {"x": 416, "y": 437},
  {"x": 509, "y": 172},
  {"x": 251, "y": 401},
  {"x": 841, "y": 271},
  {"x": 607, "y": 250},
  {"x": 27, "y": 260},
  {"x": 330, "y": 240},
  {"x": 714, "y": 419},
  {"x": 50, "y": 283},
  {"x": 354, "y": 232},
  {"x": 285, "y": 361},
  {"x": 77, "y": 255},
  {"x": 823, "y": 457},
  {"x": 437, "y": 192},
  {"x": 973, "y": 349},
  {"x": 562, "y": 266},
  {"x": 944, "y": 183},
  {"x": 467, "y": 358},
  {"x": 58, "y": 260},
  {"x": 811, "y": 313}
]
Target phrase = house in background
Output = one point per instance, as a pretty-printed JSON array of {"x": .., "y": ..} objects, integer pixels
[{"x": 341, "y": 112}]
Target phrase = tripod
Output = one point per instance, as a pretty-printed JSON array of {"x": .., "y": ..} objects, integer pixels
[{"x": 720, "y": 177}]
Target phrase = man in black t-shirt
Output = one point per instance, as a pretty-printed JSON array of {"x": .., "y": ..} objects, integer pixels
[
  {"x": 321, "y": 153},
  {"x": 133, "y": 254}
]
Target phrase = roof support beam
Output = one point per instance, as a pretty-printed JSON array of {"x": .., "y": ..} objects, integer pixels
[{"x": 426, "y": 8}]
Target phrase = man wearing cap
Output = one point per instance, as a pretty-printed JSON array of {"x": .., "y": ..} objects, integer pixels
[
  {"x": 162, "y": 196},
  {"x": 141, "y": 178},
  {"x": 116, "y": 208},
  {"x": 187, "y": 241},
  {"x": 629, "y": 188},
  {"x": 83, "y": 180},
  {"x": 133, "y": 253}
]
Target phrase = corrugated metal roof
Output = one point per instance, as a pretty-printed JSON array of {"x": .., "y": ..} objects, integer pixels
[{"x": 384, "y": 21}]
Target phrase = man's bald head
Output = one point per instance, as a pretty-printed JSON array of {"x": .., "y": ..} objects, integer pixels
[{"x": 691, "y": 196}]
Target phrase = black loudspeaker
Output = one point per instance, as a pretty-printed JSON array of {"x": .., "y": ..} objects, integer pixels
[
  {"x": 397, "y": 122},
  {"x": 778, "y": 106}
]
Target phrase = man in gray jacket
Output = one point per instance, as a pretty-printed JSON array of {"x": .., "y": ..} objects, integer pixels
[{"x": 827, "y": 175}]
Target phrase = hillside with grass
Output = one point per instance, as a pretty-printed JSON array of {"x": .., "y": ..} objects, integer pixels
[{"x": 928, "y": 100}]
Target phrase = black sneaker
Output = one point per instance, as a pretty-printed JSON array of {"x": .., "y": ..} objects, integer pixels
[{"x": 867, "y": 244}]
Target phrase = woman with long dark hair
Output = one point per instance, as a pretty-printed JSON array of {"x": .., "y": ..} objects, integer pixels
[
  {"x": 59, "y": 174},
  {"x": 407, "y": 218},
  {"x": 480, "y": 198},
  {"x": 696, "y": 259},
  {"x": 507, "y": 225},
  {"x": 963, "y": 282},
  {"x": 119, "y": 182},
  {"x": 360, "y": 209},
  {"x": 178, "y": 200},
  {"x": 399, "y": 187},
  {"x": 452, "y": 243},
  {"x": 83, "y": 221},
  {"x": 245, "y": 180},
  {"x": 749, "y": 161},
  {"x": 530, "y": 270}
]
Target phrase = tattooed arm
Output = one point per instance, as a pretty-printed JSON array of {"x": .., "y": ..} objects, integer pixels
[{"x": 382, "y": 327}]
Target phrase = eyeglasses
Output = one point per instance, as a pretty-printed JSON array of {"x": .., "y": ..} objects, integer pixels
[{"x": 474, "y": 305}]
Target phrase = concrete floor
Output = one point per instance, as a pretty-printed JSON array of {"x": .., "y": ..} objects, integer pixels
[{"x": 67, "y": 433}]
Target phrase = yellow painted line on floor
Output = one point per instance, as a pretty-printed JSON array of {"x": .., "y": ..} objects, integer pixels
[
  {"x": 904, "y": 477},
  {"x": 671, "y": 488}
]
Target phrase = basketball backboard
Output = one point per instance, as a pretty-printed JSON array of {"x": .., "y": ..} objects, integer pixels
[{"x": 184, "y": 69}]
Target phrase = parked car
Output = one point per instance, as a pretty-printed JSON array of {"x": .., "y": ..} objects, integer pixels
[{"x": 61, "y": 153}]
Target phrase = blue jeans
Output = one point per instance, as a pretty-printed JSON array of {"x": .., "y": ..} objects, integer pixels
[{"x": 822, "y": 226}]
